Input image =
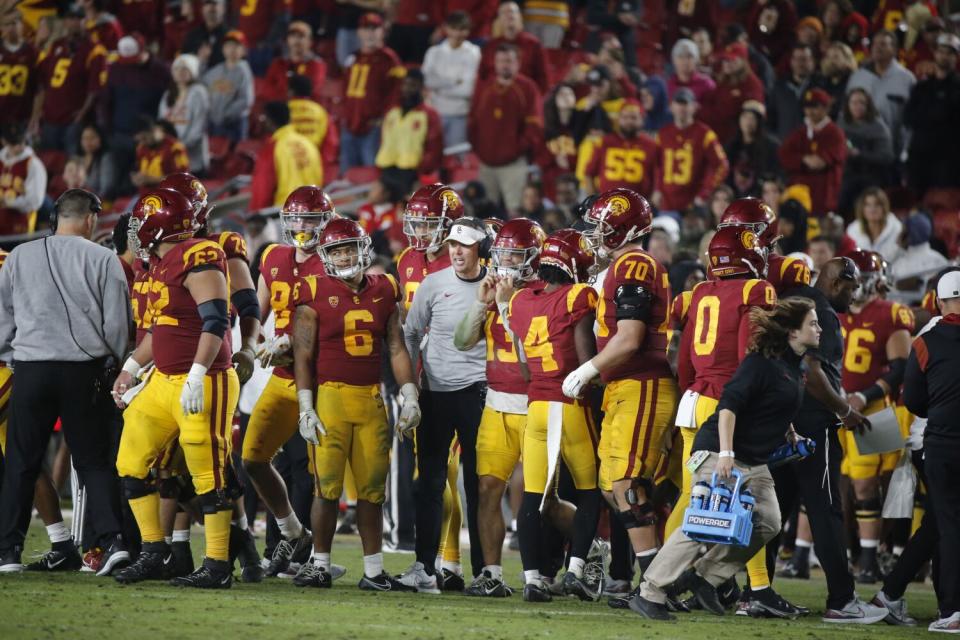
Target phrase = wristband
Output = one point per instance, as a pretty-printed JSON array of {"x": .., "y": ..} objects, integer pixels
[
  {"x": 726, "y": 454},
  {"x": 874, "y": 392},
  {"x": 132, "y": 367},
  {"x": 590, "y": 369},
  {"x": 197, "y": 371},
  {"x": 847, "y": 414},
  {"x": 409, "y": 392},
  {"x": 305, "y": 400}
]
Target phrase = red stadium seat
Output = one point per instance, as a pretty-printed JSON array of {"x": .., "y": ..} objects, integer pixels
[
  {"x": 946, "y": 226},
  {"x": 53, "y": 161},
  {"x": 361, "y": 175},
  {"x": 219, "y": 148},
  {"x": 945, "y": 198}
]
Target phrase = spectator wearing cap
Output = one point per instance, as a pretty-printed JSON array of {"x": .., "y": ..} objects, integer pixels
[
  {"x": 686, "y": 58},
  {"x": 206, "y": 39},
  {"x": 159, "y": 154},
  {"x": 103, "y": 27},
  {"x": 692, "y": 162},
  {"x": 785, "y": 112},
  {"x": 918, "y": 261},
  {"x": 230, "y": 85},
  {"x": 813, "y": 155},
  {"x": 135, "y": 85},
  {"x": 869, "y": 148},
  {"x": 753, "y": 150},
  {"x": 413, "y": 23},
  {"x": 810, "y": 32},
  {"x": 411, "y": 141},
  {"x": 299, "y": 61},
  {"x": 372, "y": 88},
  {"x": 186, "y": 105},
  {"x": 508, "y": 104},
  {"x": 759, "y": 63},
  {"x": 932, "y": 115},
  {"x": 836, "y": 67},
  {"x": 735, "y": 85},
  {"x": 69, "y": 81},
  {"x": 450, "y": 73},
  {"x": 931, "y": 390},
  {"x": 887, "y": 82},
  {"x": 626, "y": 158},
  {"x": 287, "y": 160},
  {"x": 23, "y": 181},
  {"x": 312, "y": 121},
  {"x": 919, "y": 58},
  {"x": 533, "y": 61}
]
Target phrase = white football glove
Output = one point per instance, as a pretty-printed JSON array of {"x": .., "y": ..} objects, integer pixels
[
  {"x": 574, "y": 383},
  {"x": 191, "y": 396},
  {"x": 275, "y": 352},
  {"x": 409, "y": 418},
  {"x": 310, "y": 423}
]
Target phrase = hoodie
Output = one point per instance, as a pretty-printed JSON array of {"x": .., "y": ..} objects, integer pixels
[{"x": 659, "y": 115}]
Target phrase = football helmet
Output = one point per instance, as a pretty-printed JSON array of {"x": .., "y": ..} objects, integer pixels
[
  {"x": 873, "y": 273},
  {"x": 191, "y": 187},
  {"x": 428, "y": 215},
  {"x": 160, "y": 215},
  {"x": 569, "y": 251},
  {"x": 756, "y": 215},
  {"x": 615, "y": 218},
  {"x": 516, "y": 249},
  {"x": 736, "y": 251},
  {"x": 304, "y": 216},
  {"x": 344, "y": 233}
]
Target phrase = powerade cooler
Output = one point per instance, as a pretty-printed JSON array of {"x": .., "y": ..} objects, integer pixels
[{"x": 718, "y": 514}]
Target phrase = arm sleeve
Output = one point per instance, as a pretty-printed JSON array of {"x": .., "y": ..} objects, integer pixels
[
  {"x": 791, "y": 153},
  {"x": 34, "y": 187},
  {"x": 836, "y": 151},
  {"x": 915, "y": 395},
  {"x": 116, "y": 307},
  {"x": 470, "y": 328},
  {"x": 417, "y": 321},
  {"x": 881, "y": 145},
  {"x": 746, "y": 382}
]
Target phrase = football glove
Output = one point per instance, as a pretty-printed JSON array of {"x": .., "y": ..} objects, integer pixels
[
  {"x": 191, "y": 396},
  {"x": 310, "y": 423},
  {"x": 243, "y": 361},
  {"x": 275, "y": 352},
  {"x": 409, "y": 411},
  {"x": 574, "y": 383}
]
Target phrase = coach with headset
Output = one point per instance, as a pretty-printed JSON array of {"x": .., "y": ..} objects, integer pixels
[{"x": 64, "y": 325}]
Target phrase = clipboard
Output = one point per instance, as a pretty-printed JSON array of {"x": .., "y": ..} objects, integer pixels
[{"x": 883, "y": 437}]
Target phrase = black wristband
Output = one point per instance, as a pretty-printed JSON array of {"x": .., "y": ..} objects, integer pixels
[{"x": 874, "y": 392}]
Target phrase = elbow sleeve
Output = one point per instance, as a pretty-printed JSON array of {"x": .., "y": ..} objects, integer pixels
[
  {"x": 246, "y": 303},
  {"x": 214, "y": 316},
  {"x": 633, "y": 303}
]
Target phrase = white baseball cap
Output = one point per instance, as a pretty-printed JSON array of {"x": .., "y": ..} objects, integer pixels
[
  {"x": 949, "y": 286},
  {"x": 466, "y": 234}
]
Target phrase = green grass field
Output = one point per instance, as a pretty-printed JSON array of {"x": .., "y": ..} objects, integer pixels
[{"x": 84, "y": 606}]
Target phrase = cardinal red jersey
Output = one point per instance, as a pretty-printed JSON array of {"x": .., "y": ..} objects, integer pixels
[
  {"x": 282, "y": 69},
  {"x": 413, "y": 267},
  {"x": 69, "y": 71},
  {"x": 170, "y": 156},
  {"x": 786, "y": 273},
  {"x": 691, "y": 163},
  {"x": 718, "y": 330},
  {"x": 373, "y": 84},
  {"x": 545, "y": 322},
  {"x": 177, "y": 324},
  {"x": 283, "y": 276},
  {"x": 18, "y": 81},
  {"x": 624, "y": 162},
  {"x": 105, "y": 31},
  {"x": 233, "y": 244},
  {"x": 13, "y": 177},
  {"x": 351, "y": 327},
  {"x": 865, "y": 336},
  {"x": 503, "y": 366},
  {"x": 679, "y": 309},
  {"x": 649, "y": 361},
  {"x": 142, "y": 317},
  {"x": 255, "y": 17}
]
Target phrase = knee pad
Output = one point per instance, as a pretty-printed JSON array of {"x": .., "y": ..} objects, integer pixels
[
  {"x": 187, "y": 492},
  {"x": 643, "y": 515},
  {"x": 134, "y": 488},
  {"x": 234, "y": 487},
  {"x": 169, "y": 488},
  {"x": 868, "y": 509},
  {"x": 214, "y": 502},
  {"x": 638, "y": 485}
]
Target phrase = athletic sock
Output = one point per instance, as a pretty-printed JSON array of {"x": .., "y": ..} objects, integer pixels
[
  {"x": 146, "y": 511},
  {"x": 452, "y": 567},
  {"x": 757, "y": 570},
  {"x": 323, "y": 560},
  {"x": 868, "y": 553},
  {"x": 801, "y": 554},
  {"x": 216, "y": 530},
  {"x": 241, "y": 522},
  {"x": 576, "y": 567},
  {"x": 372, "y": 565},
  {"x": 532, "y": 575},
  {"x": 181, "y": 535},
  {"x": 58, "y": 532},
  {"x": 168, "y": 539},
  {"x": 644, "y": 558},
  {"x": 495, "y": 571},
  {"x": 290, "y": 526}
]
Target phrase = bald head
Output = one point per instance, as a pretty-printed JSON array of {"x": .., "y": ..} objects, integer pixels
[{"x": 838, "y": 281}]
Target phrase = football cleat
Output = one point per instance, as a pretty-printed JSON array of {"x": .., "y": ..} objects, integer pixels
[
  {"x": 897, "y": 610},
  {"x": 486, "y": 586},
  {"x": 792, "y": 569},
  {"x": 580, "y": 587},
  {"x": 155, "y": 562},
  {"x": 614, "y": 587},
  {"x": 649, "y": 609},
  {"x": 182, "y": 559},
  {"x": 729, "y": 592},
  {"x": 297, "y": 550},
  {"x": 115, "y": 557},
  {"x": 450, "y": 581},
  {"x": 417, "y": 577},
  {"x": 65, "y": 559},
  {"x": 383, "y": 582},
  {"x": 536, "y": 591},
  {"x": 212, "y": 574},
  {"x": 312, "y": 574},
  {"x": 244, "y": 548},
  {"x": 10, "y": 560},
  {"x": 767, "y": 603},
  {"x": 623, "y": 601}
]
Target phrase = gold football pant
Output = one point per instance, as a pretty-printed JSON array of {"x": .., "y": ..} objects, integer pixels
[{"x": 274, "y": 420}]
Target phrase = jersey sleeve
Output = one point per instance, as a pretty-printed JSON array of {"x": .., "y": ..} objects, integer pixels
[
  {"x": 794, "y": 272},
  {"x": 304, "y": 290},
  {"x": 203, "y": 255},
  {"x": 902, "y": 317},
  {"x": 265, "y": 258},
  {"x": 759, "y": 293},
  {"x": 581, "y": 300},
  {"x": 636, "y": 269},
  {"x": 393, "y": 288},
  {"x": 233, "y": 245},
  {"x": 679, "y": 309}
]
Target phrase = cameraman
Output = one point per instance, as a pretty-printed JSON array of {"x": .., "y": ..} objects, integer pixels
[{"x": 65, "y": 316}]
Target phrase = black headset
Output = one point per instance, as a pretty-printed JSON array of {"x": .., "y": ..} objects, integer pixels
[
  {"x": 93, "y": 203},
  {"x": 476, "y": 223}
]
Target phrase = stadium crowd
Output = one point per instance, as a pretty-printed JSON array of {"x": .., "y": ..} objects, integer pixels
[{"x": 569, "y": 206}]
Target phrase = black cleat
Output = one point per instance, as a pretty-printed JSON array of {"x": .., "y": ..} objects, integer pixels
[
  {"x": 486, "y": 586},
  {"x": 706, "y": 594},
  {"x": 155, "y": 562},
  {"x": 676, "y": 605},
  {"x": 623, "y": 602},
  {"x": 574, "y": 586},
  {"x": 10, "y": 560},
  {"x": 313, "y": 575},
  {"x": 383, "y": 582},
  {"x": 729, "y": 593},
  {"x": 212, "y": 574},
  {"x": 870, "y": 574},
  {"x": 297, "y": 550},
  {"x": 115, "y": 556},
  {"x": 536, "y": 592},
  {"x": 449, "y": 581},
  {"x": 182, "y": 559},
  {"x": 767, "y": 603},
  {"x": 63, "y": 557},
  {"x": 244, "y": 548},
  {"x": 649, "y": 609},
  {"x": 793, "y": 570}
]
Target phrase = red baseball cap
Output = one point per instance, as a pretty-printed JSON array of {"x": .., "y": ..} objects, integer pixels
[
  {"x": 237, "y": 36},
  {"x": 816, "y": 97},
  {"x": 734, "y": 51},
  {"x": 371, "y": 20},
  {"x": 631, "y": 103}
]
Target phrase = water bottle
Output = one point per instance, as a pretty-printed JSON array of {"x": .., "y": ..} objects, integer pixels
[
  {"x": 700, "y": 495},
  {"x": 720, "y": 500},
  {"x": 747, "y": 501}
]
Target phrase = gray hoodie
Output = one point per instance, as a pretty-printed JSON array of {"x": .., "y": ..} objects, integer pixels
[{"x": 231, "y": 92}]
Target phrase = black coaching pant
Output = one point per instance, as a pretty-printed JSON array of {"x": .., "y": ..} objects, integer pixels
[
  {"x": 942, "y": 464},
  {"x": 443, "y": 415},
  {"x": 79, "y": 394}
]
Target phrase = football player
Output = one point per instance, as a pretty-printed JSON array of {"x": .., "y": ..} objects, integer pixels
[
  {"x": 274, "y": 419},
  {"x": 641, "y": 395},
  {"x": 427, "y": 218},
  {"x": 877, "y": 335},
  {"x": 339, "y": 331},
  {"x": 554, "y": 324},
  {"x": 515, "y": 257},
  {"x": 191, "y": 395}
]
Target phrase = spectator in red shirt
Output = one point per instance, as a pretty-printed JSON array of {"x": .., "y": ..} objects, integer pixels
[
  {"x": 373, "y": 84},
  {"x": 533, "y": 61},
  {"x": 736, "y": 84},
  {"x": 19, "y": 60},
  {"x": 103, "y": 27},
  {"x": 813, "y": 155},
  {"x": 381, "y": 210},
  {"x": 261, "y": 20},
  {"x": 159, "y": 154},
  {"x": 686, "y": 59},
  {"x": 299, "y": 61},
  {"x": 558, "y": 153},
  {"x": 504, "y": 127},
  {"x": 624, "y": 159}
]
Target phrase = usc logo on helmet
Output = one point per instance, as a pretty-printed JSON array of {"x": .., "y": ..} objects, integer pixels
[
  {"x": 150, "y": 204},
  {"x": 749, "y": 240},
  {"x": 450, "y": 199},
  {"x": 618, "y": 205},
  {"x": 199, "y": 189}
]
